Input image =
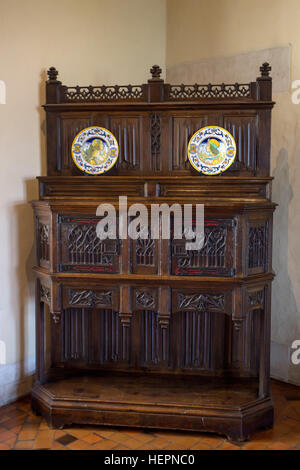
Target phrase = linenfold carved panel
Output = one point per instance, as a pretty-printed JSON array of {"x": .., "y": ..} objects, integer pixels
[
  {"x": 75, "y": 324},
  {"x": 154, "y": 340},
  {"x": 96, "y": 337},
  {"x": 183, "y": 127},
  {"x": 70, "y": 126},
  {"x": 110, "y": 338},
  {"x": 127, "y": 130},
  {"x": 243, "y": 130}
]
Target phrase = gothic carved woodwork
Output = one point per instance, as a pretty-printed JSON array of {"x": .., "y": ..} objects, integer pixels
[
  {"x": 82, "y": 249},
  {"x": 145, "y": 332},
  {"x": 145, "y": 299},
  {"x": 216, "y": 255},
  {"x": 144, "y": 255},
  {"x": 257, "y": 254},
  {"x": 155, "y": 123},
  {"x": 201, "y": 302},
  {"x": 90, "y": 298},
  {"x": 45, "y": 293},
  {"x": 43, "y": 244}
]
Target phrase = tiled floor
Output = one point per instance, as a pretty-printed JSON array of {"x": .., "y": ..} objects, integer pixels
[{"x": 21, "y": 429}]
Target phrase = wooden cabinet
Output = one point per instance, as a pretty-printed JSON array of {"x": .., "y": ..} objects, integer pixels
[{"x": 143, "y": 332}]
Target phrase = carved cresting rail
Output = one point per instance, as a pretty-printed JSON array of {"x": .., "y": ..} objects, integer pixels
[
  {"x": 85, "y": 94},
  {"x": 146, "y": 332}
]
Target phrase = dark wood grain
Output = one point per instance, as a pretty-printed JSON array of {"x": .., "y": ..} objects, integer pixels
[{"x": 144, "y": 333}]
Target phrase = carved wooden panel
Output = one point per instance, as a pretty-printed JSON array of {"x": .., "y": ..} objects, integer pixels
[
  {"x": 69, "y": 128},
  {"x": 82, "y": 250},
  {"x": 257, "y": 246},
  {"x": 154, "y": 337},
  {"x": 144, "y": 256},
  {"x": 144, "y": 298},
  {"x": 215, "y": 257},
  {"x": 96, "y": 337},
  {"x": 45, "y": 294},
  {"x": 75, "y": 331},
  {"x": 128, "y": 132},
  {"x": 109, "y": 338},
  {"x": 183, "y": 127},
  {"x": 243, "y": 129},
  {"x": 155, "y": 141},
  {"x": 43, "y": 244},
  {"x": 105, "y": 297}
]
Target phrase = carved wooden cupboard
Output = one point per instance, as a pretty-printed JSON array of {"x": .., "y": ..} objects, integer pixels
[{"x": 142, "y": 332}]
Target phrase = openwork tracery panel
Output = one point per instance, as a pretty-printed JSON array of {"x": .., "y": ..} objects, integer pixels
[
  {"x": 216, "y": 255},
  {"x": 82, "y": 249}
]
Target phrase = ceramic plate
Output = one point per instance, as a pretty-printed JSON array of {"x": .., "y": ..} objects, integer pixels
[
  {"x": 211, "y": 150},
  {"x": 95, "y": 150}
]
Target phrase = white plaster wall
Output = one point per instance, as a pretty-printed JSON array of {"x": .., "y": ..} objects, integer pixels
[
  {"x": 226, "y": 40},
  {"x": 90, "y": 42}
]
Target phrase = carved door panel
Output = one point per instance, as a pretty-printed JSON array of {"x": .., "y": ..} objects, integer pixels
[
  {"x": 128, "y": 130},
  {"x": 182, "y": 129},
  {"x": 216, "y": 257},
  {"x": 82, "y": 250}
]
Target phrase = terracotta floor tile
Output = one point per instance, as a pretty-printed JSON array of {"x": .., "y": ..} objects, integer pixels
[
  {"x": 146, "y": 437},
  {"x": 92, "y": 438},
  {"x": 254, "y": 445},
  {"x": 211, "y": 440},
  {"x": 119, "y": 437},
  {"x": 27, "y": 434},
  {"x": 4, "y": 447},
  {"x": 160, "y": 442},
  {"x": 59, "y": 433},
  {"x": 107, "y": 432},
  {"x": 66, "y": 439},
  {"x": 13, "y": 422},
  {"x": 79, "y": 445},
  {"x": 16, "y": 429},
  {"x": 279, "y": 446},
  {"x": 120, "y": 447},
  {"x": 5, "y": 435},
  {"x": 228, "y": 446},
  {"x": 32, "y": 419},
  {"x": 22, "y": 445},
  {"x": 44, "y": 425},
  {"x": 11, "y": 442},
  {"x": 132, "y": 443},
  {"x": 105, "y": 444},
  {"x": 175, "y": 447},
  {"x": 81, "y": 433},
  {"x": 57, "y": 446},
  {"x": 201, "y": 446}
]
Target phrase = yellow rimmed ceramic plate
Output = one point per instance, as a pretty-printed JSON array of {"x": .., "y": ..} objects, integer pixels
[
  {"x": 95, "y": 150},
  {"x": 211, "y": 150}
]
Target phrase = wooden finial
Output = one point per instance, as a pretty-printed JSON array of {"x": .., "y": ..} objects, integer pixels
[
  {"x": 52, "y": 74},
  {"x": 265, "y": 69},
  {"x": 155, "y": 72}
]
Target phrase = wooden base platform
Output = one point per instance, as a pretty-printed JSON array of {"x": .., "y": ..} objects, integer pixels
[{"x": 229, "y": 407}]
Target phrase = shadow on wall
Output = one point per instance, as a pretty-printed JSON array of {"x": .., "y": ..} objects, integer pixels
[
  {"x": 284, "y": 307},
  {"x": 22, "y": 293},
  {"x": 42, "y": 101}
]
